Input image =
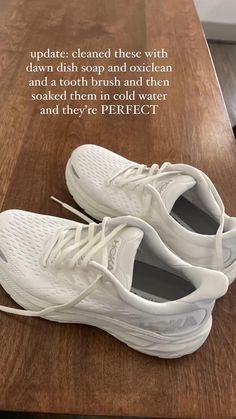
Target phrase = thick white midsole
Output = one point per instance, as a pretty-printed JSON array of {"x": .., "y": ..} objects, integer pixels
[{"x": 141, "y": 340}]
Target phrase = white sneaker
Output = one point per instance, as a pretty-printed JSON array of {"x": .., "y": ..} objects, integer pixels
[
  {"x": 70, "y": 272},
  {"x": 178, "y": 200}
]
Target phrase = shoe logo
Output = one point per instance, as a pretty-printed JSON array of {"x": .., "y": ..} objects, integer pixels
[
  {"x": 171, "y": 325},
  {"x": 112, "y": 255},
  {"x": 164, "y": 186},
  {"x": 74, "y": 171},
  {"x": 3, "y": 257}
]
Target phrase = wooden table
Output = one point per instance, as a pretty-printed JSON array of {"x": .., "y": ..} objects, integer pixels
[{"x": 47, "y": 367}]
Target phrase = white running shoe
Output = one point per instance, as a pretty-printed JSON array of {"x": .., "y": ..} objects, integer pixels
[
  {"x": 66, "y": 271},
  {"x": 178, "y": 200}
]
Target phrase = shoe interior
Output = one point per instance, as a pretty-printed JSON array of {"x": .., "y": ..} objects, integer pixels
[
  {"x": 193, "y": 218},
  {"x": 158, "y": 284}
]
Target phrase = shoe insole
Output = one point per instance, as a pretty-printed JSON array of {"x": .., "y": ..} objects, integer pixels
[
  {"x": 193, "y": 218},
  {"x": 157, "y": 284}
]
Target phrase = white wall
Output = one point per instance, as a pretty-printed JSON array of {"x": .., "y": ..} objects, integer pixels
[
  {"x": 222, "y": 11},
  {"x": 218, "y": 18}
]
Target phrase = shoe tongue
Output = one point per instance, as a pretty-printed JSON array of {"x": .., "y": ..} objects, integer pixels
[
  {"x": 122, "y": 252},
  {"x": 172, "y": 187}
]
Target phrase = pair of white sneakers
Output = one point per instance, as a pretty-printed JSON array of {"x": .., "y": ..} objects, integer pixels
[{"x": 149, "y": 278}]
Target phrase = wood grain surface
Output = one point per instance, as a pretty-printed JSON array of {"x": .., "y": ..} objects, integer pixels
[
  {"x": 47, "y": 367},
  {"x": 224, "y": 57}
]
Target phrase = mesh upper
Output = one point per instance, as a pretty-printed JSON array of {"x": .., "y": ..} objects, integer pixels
[
  {"x": 23, "y": 239},
  {"x": 95, "y": 166}
]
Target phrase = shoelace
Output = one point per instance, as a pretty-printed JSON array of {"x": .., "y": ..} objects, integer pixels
[
  {"x": 135, "y": 175},
  {"x": 220, "y": 230},
  {"x": 140, "y": 177},
  {"x": 69, "y": 248}
]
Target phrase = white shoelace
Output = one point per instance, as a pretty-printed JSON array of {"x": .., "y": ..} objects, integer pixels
[
  {"x": 220, "y": 230},
  {"x": 135, "y": 178},
  {"x": 139, "y": 178},
  {"x": 70, "y": 249}
]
